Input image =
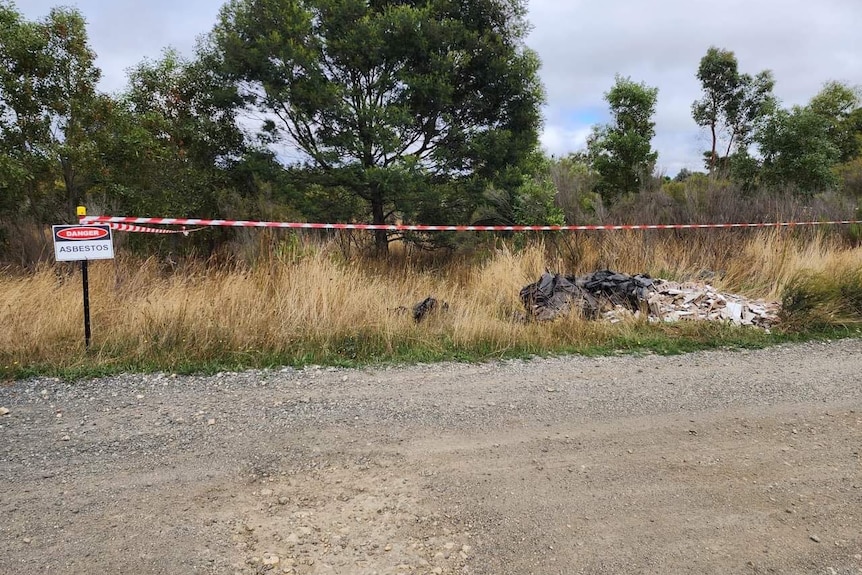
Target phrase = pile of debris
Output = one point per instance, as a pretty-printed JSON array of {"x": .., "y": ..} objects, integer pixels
[
  {"x": 554, "y": 295},
  {"x": 700, "y": 301},
  {"x": 616, "y": 296}
]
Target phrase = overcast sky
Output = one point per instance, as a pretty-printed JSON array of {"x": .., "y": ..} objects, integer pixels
[{"x": 582, "y": 45}]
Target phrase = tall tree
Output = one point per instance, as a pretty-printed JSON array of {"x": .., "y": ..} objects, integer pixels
[
  {"x": 47, "y": 93},
  {"x": 621, "y": 152},
  {"x": 732, "y": 103},
  {"x": 414, "y": 107}
]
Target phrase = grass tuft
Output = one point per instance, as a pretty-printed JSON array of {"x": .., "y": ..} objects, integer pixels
[{"x": 817, "y": 301}]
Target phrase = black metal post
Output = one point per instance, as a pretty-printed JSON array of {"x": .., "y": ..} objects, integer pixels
[{"x": 86, "y": 304}]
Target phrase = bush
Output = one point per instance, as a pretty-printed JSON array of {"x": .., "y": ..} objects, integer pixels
[{"x": 818, "y": 301}]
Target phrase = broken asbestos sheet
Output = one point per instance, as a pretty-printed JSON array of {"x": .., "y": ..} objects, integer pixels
[
  {"x": 616, "y": 296},
  {"x": 700, "y": 301}
]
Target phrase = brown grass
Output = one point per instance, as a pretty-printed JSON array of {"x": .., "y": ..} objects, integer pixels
[{"x": 314, "y": 303}]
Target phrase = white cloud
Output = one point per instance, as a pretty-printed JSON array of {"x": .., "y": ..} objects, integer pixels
[{"x": 559, "y": 141}]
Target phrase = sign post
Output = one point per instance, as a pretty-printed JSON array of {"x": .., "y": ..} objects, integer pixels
[
  {"x": 86, "y": 286},
  {"x": 83, "y": 243}
]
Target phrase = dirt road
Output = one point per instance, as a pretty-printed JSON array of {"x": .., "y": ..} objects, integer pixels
[{"x": 715, "y": 462}]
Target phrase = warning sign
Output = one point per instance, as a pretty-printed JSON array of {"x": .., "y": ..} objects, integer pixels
[{"x": 83, "y": 242}]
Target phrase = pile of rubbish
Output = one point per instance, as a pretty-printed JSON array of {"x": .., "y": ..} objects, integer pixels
[
  {"x": 555, "y": 295},
  {"x": 616, "y": 296},
  {"x": 699, "y": 301}
]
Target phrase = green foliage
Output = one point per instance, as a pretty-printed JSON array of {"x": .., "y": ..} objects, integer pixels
[
  {"x": 175, "y": 139},
  {"x": 536, "y": 204},
  {"x": 839, "y": 106},
  {"x": 733, "y": 104},
  {"x": 684, "y": 174},
  {"x": 676, "y": 190},
  {"x": 405, "y": 105},
  {"x": 798, "y": 152},
  {"x": 849, "y": 175},
  {"x": 47, "y": 91},
  {"x": 574, "y": 181},
  {"x": 533, "y": 203},
  {"x": 743, "y": 169},
  {"x": 369, "y": 348},
  {"x": 801, "y": 148},
  {"x": 814, "y": 302},
  {"x": 621, "y": 152}
]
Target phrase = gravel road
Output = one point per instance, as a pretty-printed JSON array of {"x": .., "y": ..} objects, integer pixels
[{"x": 713, "y": 462}]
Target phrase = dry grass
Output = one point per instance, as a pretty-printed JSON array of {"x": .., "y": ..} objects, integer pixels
[{"x": 318, "y": 305}]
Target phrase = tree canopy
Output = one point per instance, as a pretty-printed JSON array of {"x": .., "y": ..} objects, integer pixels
[
  {"x": 732, "y": 104},
  {"x": 621, "y": 151},
  {"x": 414, "y": 107},
  {"x": 47, "y": 93}
]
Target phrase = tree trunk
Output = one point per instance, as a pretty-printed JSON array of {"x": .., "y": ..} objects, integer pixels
[
  {"x": 73, "y": 197},
  {"x": 381, "y": 238},
  {"x": 712, "y": 158}
]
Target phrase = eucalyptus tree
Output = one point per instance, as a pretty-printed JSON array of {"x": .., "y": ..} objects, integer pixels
[
  {"x": 621, "y": 151},
  {"x": 415, "y": 107},
  {"x": 733, "y": 104}
]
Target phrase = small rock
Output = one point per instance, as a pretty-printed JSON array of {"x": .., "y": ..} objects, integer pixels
[
  {"x": 26, "y": 540},
  {"x": 815, "y": 538},
  {"x": 210, "y": 421},
  {"x": 272, "y": 560},
  {"x": 283, "y": 500},
  {"x": 65, "y": 438},
  {"x": 4, "y": 411},
  {"x": 291, "y": 539},
  {"x": 266, "y": 492}
]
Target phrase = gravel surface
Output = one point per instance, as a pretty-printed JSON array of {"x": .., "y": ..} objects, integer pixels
[{"x": 712, "y": 462}]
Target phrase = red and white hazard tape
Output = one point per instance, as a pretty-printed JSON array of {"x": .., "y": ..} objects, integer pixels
[
  {"x": 144, "y": 229},
  {"x": 140, "y": 229},
  {"x": 423, "y": 228}
]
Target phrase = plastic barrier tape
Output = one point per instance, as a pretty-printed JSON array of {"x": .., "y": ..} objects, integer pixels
[{"x": 136, "y": 225}]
